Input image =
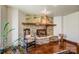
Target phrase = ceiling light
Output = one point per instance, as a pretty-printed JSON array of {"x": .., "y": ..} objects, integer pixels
[{"x": 45, "y": 11}]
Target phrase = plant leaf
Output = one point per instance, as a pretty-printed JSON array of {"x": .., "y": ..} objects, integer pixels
[
  {"x": 9, "y": 31},
  {"x": 5, "y": 26}
]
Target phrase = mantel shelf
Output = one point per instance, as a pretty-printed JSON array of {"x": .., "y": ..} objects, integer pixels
[{"x": 39, "y": 24}]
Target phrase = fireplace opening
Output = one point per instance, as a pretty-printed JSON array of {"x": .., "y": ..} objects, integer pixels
[{"x": 41, "y": 32}]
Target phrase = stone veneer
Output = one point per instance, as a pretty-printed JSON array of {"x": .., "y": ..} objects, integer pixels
[{"x": 33, "y": 28}]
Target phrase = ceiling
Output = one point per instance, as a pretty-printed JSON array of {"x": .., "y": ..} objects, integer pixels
[{"x": 56, "y": 10}]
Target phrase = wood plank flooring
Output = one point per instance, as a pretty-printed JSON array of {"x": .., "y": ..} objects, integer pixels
[
  {"x": 49, "y": 48},
  {"x": 46, "y": 48}
]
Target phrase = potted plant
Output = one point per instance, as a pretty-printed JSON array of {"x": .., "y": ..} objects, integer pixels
[{"x": 5, "y": 32}]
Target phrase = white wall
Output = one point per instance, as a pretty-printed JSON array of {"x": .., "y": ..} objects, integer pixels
[
  {"x": 20, "y": 26},
  {"x": 15, "y": 18},
  {"x": 21, "y": 17},
  {"x": 14, "y": 25},
  {"x": 71, "y": 26},
  {"x": 9, "y": 17},
  {"x": 0, "y": 27},
  {"x": 13, "y": 21},
  {"x": 57, "y": 28},
  {"x": 3, "y": 14}
]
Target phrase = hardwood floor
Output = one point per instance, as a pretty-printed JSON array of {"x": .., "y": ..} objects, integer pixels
[
  {"x": 46, "y": 48},
  {"x": 49, "y": 48}
]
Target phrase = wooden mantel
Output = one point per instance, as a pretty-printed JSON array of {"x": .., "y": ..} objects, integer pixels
[{"x": 39, "y": 24}]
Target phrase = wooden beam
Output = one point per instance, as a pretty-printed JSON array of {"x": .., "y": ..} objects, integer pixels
[
  {"x": 28, "y": 23},
  {"x": 39, "y": 24}
]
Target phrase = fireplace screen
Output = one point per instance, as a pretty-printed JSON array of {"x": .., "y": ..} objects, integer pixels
[{"x": 41, "y": 32}]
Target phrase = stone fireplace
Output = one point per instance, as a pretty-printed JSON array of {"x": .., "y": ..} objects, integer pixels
[
  {"x": 39, "y": 30},
  {"x": 40, "y": 26}
]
